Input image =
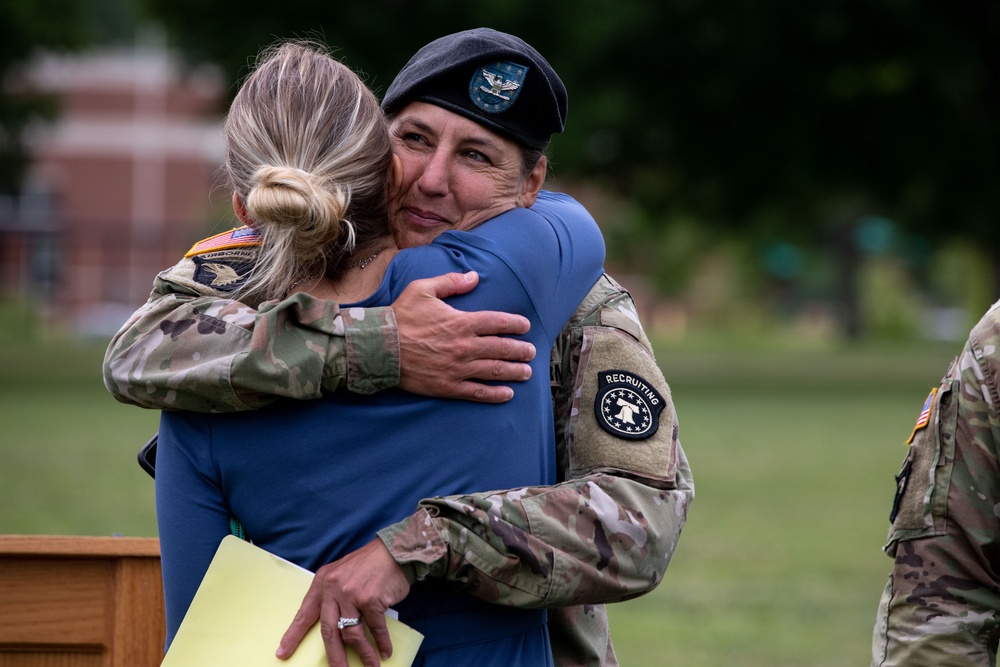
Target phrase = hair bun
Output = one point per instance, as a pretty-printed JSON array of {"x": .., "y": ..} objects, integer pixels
[
  {"x": 289, "y": 196},
  {"x": 307, "y": 153}
]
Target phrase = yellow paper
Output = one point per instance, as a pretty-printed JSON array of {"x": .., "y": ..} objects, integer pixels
[{"x": 245, "y": 603}]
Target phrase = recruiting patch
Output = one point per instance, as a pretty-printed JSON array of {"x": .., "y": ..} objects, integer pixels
[
  {"x": 925, "y": 415},
  {"x": 224, "y": 271},
  {"x": 626, "y": 405},
  {"x": 241, "y": 237},
  {"x": 494, "y": 88}
]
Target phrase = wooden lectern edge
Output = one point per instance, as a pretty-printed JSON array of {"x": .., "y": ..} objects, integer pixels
[{"x": 78, "y": 546}]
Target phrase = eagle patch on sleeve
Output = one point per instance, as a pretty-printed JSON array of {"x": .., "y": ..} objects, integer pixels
[
  {"x": 223, "y": 262},
  {"x": 224, "y": 271}
]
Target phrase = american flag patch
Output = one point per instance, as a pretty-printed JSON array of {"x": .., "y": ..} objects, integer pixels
[
  {"x": 240, "y": 237},
  {"x": 925, "y": 415}
]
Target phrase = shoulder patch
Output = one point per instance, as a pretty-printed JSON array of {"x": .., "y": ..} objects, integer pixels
[
  {"x": 241, "y": 237},
  {"x": 925, "y": 415},
  {"x": 224, "y": 270},
  {"x": 626, "y": 405}
]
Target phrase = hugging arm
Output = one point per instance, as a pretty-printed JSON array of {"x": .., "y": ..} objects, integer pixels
[
  {"x": 524, "y": 551},
  {"x": 209, "y": 354},
  {"x": 192, "y": 348},
  {"x": 605, "y": 533}
]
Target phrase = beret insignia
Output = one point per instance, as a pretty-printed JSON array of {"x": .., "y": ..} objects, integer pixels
[
  {"x": 494, "y": 88},
  {"x": 626, "y": 405}
]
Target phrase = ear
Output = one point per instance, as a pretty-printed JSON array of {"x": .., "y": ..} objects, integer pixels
[
  {"x": 395, "y": 178},
  {"x": 532, "y": 185},
  {"x": 240, "y": 209}
]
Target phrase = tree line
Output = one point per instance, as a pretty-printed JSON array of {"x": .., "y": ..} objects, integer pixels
[{"x": 796, "y": 119}]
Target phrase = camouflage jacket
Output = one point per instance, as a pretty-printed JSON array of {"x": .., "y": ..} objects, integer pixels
[
  {"x": 603, "y": 534},
  {"x": 190, "y": 348},
  {"x": 941, "y": 605}
]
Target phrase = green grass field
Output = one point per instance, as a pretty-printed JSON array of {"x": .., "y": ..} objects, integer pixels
[{"x": 793, "y": 452}]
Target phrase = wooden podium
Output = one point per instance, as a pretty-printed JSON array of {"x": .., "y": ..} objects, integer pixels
[{"x": 80, "y": 602}]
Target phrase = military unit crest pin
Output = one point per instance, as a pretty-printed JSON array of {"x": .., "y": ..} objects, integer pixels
[{"x": 495, "y": 88}]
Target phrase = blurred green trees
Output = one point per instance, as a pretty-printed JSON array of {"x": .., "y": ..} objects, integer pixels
[
  {"x": 786, "y": 122},
  {"x": 785, "y": 127}
]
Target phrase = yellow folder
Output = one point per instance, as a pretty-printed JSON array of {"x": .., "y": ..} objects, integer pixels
[{"x": 245, "y": 603}]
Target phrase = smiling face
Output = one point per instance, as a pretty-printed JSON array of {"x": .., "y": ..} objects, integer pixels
[{"x": 454, "y": 174}]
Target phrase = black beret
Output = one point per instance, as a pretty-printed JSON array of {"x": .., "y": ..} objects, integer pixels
[{"x": 490, "y": 77}]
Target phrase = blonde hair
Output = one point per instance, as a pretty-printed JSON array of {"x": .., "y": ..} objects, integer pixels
[{"x": 308, "y": 153}]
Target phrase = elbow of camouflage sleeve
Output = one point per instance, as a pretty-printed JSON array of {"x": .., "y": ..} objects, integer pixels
[
  {"x": 116, "y": 380},
  {"x": 674, "y": 503},
  {"x": 635, "y": 529}
]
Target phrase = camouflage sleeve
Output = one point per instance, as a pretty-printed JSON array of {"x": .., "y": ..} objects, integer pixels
[
  {"x": 189, "y": 347},
  {"x": 941, "y": 604},
  {"x": 604, "y": 534}
]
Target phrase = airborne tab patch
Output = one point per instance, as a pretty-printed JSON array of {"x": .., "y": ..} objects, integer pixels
[
  {"x": 241, "y": 237},
  {"x": 626, "y": 405}
]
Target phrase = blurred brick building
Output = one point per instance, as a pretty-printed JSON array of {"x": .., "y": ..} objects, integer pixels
[{"x": 121, "y": 185}]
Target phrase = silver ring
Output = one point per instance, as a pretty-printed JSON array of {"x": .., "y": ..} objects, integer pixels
[{"x": 347, "y": 622}]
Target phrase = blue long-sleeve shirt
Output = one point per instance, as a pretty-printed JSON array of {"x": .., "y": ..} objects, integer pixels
[{"x": 312, "y": 481}]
